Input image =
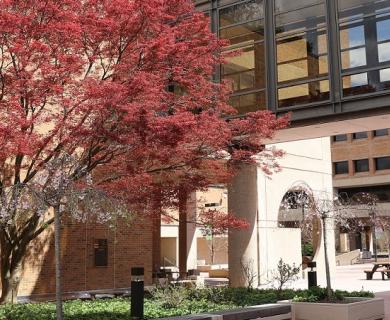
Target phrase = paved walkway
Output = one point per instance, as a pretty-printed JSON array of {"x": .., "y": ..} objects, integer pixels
[{"x": 352, "y": 278}]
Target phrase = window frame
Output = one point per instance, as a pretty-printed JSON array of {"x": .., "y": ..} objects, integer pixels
[
  {"x": 335, "y": 163},
  {"x": 356, "y": 137},
  {"x": 376, "y": 135},
  {"x": 357, "y": 161},
  {"x": 103, "y": 249},
  {"x": 381, "y": 158}
]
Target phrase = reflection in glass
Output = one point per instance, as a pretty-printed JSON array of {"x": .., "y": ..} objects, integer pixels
[
  {"x": 383, "y": 30},
  {"x": 286, "y": 5},
  {"x": 356, "y": 84},
  {"x": 384, "y": 51},
  {"x": 353, "y": 58},
  {"x": 246, "y": 71},
  {"x": 252, "y": 31},
  {"x": 348, "y": 4},
  {"x": 241, "y": 12},
  {"x": 297, "y": 57},
  {"x": 355, "y": 80},
  {"x": 352, "y": 37},
  {"x": 290, "y": 49},
  {"x": 248, "y": 102},
  {"x": 361, "y": 165},
  {"x": 340, "y": 167},
  {"x": 307, "y": 18},
  {"x": 303, "y": 93},
  {"x": 384, "y": 75}
]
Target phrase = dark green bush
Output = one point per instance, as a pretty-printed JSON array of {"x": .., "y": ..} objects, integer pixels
[{"x": 159, "y": 304}]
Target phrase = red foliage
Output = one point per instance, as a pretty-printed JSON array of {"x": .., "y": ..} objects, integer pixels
[
  {"x": 215, "y": 223},
  {"x": 90, "y": 78}
]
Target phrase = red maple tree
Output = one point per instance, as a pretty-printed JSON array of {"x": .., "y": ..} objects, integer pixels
[{"x": 121, "y": 86}]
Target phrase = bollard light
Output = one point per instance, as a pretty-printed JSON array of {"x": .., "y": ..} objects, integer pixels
[
  {"x": 312, "y": 274},
  {"x": 137, "y": 293}
]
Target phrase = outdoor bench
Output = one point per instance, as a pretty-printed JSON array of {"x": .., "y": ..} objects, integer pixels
[
  {"x": 370, "y": 273},
  {"x": 385, "y": 272}
]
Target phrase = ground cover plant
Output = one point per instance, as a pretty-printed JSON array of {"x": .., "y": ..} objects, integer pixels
[{"x": 166, "y": 302}]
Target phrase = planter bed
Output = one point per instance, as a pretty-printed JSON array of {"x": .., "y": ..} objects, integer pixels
[{"x": 349, "y": 309}]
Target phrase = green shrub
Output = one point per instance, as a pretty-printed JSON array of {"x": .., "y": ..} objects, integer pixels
[{"x": 159, "y": 303}]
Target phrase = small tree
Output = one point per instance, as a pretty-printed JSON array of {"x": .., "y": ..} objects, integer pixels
[
  {"x": 214, "y": 223},
  {"x": 332, "y": 210},
  {"x": 54, "y": 190},
  {"x": 284, "y": 274},
  {"x": 323, "y": 206},
  {"x": 248, "y": 272}
]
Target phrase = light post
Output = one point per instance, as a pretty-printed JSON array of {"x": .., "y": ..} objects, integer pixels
[{"x": 373, "y": 217}]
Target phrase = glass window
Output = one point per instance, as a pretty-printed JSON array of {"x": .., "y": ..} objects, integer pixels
[
  {"x": 246, "y": 70},
  {"x": 252, "y": 31},
  {"x": 241, "y": 12},
  {"x": 340, "y": 137},
  {"x": 302, "y": 52},
  {"x": 384, "y": 75},
  {"x": 101, "y": 253},
  {"x": 303, "y": 93},
  {"x": 353, "y": 58},
  {"x": 365, "y": 45},
  {"x": 302, "y": 19},
  {"x": 381, "y": 132},
  {"x": 361, "y": 165},
  {"x": 384, "y": 52},
  {"x": 352, "y": 37},
  {"x": 249, "y": 102},
  {"x": 383, "y": 30},
  {"x": 286, "y": 5},
  {"x": 356, "y": 84},
  {"x": 340, "y": 167},
  {"x": 243, "y": 25},
  {"x": 382, "y": 163},
  {"x": 360, "y": 135}
]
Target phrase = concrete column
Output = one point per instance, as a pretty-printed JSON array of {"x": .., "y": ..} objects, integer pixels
[
  {"x": 192, "y": 243},
  {"x": 183, "y": 234},
  {"x": 187, "y": 233},
  {"x": 243, "y": 244},
  {"x": 156, "y": 254}
]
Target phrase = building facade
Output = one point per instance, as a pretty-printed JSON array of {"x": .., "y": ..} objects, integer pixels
[
  {"x": 361, "y": 163},
  {"x": 94, "y": 257},
  {"x": 325, "y": 61}
]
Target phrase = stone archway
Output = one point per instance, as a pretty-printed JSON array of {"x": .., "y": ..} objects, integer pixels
[
  {"x": 293, "y": 215},
  {"x": 257, "y": 198}
]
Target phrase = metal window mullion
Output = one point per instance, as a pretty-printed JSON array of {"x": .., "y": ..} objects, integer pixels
[
  {"x": 270, "y": 56},
  {"x": 334, "y": 52}
]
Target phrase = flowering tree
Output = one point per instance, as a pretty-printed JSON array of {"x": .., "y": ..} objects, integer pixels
[
  {"x": 124, "y": 88},
  {"x": 368, "y": 204},
  {"x": 214, "y": 223},
  {"x": 329, "y": 209},
  {"x": 340, "y": 210}
]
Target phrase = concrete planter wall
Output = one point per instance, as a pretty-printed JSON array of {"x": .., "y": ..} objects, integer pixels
[
  {"x": 356, "y": 309},
  {"x": 262, "y": 312}
]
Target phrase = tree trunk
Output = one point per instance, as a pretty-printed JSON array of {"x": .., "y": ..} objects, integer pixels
[
  {"x": 212, "y": 250},
  {"x": 327, "y": 271},
  {"x": 11, "y": 270},
  {"x": 57, "y": 248},
  {"x": 10, "y": 280}
]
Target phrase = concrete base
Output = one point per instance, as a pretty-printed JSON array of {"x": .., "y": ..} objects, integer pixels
[{"x": 358, "y": 308}]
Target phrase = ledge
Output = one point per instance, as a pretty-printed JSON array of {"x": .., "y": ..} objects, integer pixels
[{"x": 267, "y": 311}]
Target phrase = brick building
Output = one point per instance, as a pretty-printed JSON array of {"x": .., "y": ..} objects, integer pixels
[
  {"x": 94, "y": 257},
  {"x": 361, "y": 163}
]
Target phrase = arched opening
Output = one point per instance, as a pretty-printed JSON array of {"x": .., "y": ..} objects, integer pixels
[{"x": 294, "y": 214}]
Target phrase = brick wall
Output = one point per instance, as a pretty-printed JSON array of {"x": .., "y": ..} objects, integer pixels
[{"x": 129, "y": 245}]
